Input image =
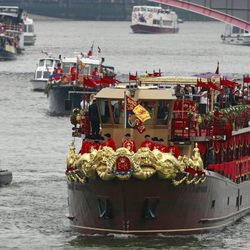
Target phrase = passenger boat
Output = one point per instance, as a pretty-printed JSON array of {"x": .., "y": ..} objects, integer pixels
[
  {"x": 7, "y": 47},
  {"x": 45, "y": 68},
  {"x": 29, "y": 32},
  {"x": 236, "y": 36},
  {"x": 66, "y": 92},
  {"x": 5, "y": 177},
  {"x": 151, "y": 19},
  {"x": 153, "y": 191},
  {"x": 12, "y": 25}
]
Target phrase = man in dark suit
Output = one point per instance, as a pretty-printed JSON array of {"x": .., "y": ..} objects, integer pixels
[{"x": 94, "y": 118}]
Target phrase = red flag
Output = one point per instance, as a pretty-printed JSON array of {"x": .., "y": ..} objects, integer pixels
[
  {"x": 106, "y": 81},
  {"x": 212, "y": 85},
  {"x": 90, "y": 82},
  {"x": 132, "y": 77},
  {"x": 229, "y": 83},
  {"x": 217, "y": 71},
  {"x": 246, "y": 79},
  {"x": 202, "y": 84}
]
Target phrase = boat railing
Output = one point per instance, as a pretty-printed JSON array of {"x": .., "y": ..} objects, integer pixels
[{"x": 14, "y": 27}]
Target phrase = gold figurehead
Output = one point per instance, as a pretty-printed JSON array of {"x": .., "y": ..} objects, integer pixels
[{"x": 108, "y": 164}]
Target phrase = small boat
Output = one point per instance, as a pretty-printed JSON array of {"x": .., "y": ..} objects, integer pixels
[
  {"x": 45, "y": 68},
  {"x": 29, "y": 33},
  {"x": 7, "y": 47},
  {"x": 193, "y": 180},
  {"x": 66, "y": 93},
  {"x": 5, "y": 177},
  {"x": 150, "y": 19},
  {"x": 236, "y": 36}
]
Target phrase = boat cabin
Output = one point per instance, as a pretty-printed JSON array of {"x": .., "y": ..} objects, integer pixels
[
  {"x": 118, "y": 121},
  {"x": 45, "y": 68}
]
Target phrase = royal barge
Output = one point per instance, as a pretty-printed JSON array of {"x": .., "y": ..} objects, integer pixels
[{"x": 154, "y": 190}]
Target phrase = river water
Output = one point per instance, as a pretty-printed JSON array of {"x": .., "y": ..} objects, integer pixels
[{"x": 34, "y": 145}]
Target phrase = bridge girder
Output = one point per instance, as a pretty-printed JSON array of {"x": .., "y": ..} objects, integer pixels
[{"x": 235, "y": 12}]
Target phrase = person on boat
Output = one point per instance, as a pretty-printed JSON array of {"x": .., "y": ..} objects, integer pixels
[
  {"x": 73, "y": 74},
  {"x": 94, "y": 118},
  {"x": 174, "y": 150},
  {"x": 86, "y": 145},
  {"x": 129, "y": 143},
  {"x": 147, "y": 142},
  {"x": 110, "y": 142},
  {"x": 162, "y": 147},
  {"x": 102, "y": 142},
  {"x": 203, "y": 106},
  {"x": 58, "y": 69},
  {"x": 96, "y": 73},
  {"x": 155, "y": 143}
]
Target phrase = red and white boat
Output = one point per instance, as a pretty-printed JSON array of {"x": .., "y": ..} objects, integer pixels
[{"x": 151, "y": 19}]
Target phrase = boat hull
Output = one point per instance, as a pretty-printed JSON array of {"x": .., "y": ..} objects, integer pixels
[
  {"x": 63, "y": 98},
  {"x": 7, "y": 55},
  {"x": 140, "y": 28},
  {"x": 38, "y": 85},
  {"x": 156, "y": 206},
  {"x": 234, "y": 40},
  {"x": 5, "y": 177},
  {"x": 29, "y": 40}
]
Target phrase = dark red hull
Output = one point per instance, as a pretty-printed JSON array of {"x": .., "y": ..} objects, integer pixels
[
  {"x": 156, "y": 206},
  {"x": 140, "y": 28}
]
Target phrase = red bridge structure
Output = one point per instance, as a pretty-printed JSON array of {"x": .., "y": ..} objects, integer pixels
[{"x": 235, "y": 12}]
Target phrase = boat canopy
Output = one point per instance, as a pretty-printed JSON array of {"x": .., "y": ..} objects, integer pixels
[
  {"x": 173, "y": 80},
  {"x": 140, "y": 94}
]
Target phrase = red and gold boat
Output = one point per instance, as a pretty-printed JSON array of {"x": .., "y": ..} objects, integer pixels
[{"x": 153, "y": 191}]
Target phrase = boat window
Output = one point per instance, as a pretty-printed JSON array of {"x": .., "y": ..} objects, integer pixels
[
  {"x": 111, "y": 111},
  {"x": 143, "y": 9},
  {"x": 49, "y": 63},
  {"x": 41, "y": 62},
  {"x": 236, "y": 30},
  {"x": 162, "y": 113},
  {"x": 85, "y": 70},
  {"x": 136, "y": 9},
  {"x": 156, "y": 21},
  {"x": 30, "y": 28},
  {"x": 167, "y": 22},
  {"x": 66, "y": 66}
]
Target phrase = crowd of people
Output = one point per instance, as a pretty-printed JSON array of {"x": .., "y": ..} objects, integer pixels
[
  {"x": 226, "y": 97},
  {"x": 99, "y": 142}
]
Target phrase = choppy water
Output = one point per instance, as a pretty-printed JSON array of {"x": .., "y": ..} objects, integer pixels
[{"x": 34, "y": 145}]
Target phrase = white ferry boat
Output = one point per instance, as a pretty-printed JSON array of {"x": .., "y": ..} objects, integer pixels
[
  {"x": 45, "y": 68},
  {"x": 151, "y": 19},
  {"x": 29, "y": 33},
  {"x": 235, "y": 35}
]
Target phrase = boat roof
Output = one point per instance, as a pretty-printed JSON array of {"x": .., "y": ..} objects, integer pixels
[
  {"x": 86, "y": 60},
  {"x": 140, "y": 94},
  {"x": 173, "y": 80},
  {"x": 148, "y": 6},
  {"x": 10, "y": 11}
]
